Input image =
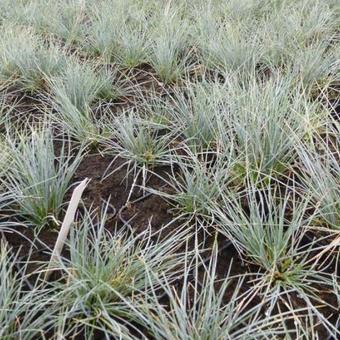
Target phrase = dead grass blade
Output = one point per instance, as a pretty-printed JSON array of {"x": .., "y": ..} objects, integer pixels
[{"x": 65, "y": 227}]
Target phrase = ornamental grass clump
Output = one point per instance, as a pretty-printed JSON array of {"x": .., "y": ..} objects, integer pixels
[
  {"x": 107, "y": 273},
  {"x": 39, "y": 176}
]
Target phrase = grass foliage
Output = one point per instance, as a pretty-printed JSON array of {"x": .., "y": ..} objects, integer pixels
[
  {"x": 221, "y": 117},
  {"x": 37, "y": 176},
  {"x": 109, "y": 272}
]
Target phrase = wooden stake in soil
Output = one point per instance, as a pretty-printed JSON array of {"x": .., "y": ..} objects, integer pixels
[{"x": 65, "y": 227}]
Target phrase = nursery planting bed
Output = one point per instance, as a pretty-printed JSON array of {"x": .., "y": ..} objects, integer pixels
[{"x": 209, "y": 132}]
